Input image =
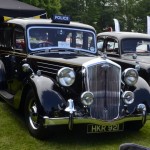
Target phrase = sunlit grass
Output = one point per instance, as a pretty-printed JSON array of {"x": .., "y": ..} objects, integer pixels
[{"x": 14, "y": 136}]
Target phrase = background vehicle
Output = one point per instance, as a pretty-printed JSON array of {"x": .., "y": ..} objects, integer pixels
[
  {"x": 128, "y": 146},
  {"x": 56, "y": 77},
  {"x": 127, "y": 48}
]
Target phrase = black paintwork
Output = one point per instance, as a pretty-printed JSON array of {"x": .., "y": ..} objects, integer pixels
[
  {"x": 48, "y": 91},
  {"x": 26, "y": 73}
]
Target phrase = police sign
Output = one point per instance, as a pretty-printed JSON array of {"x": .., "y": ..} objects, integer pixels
[{"x": 61, "y": 19}]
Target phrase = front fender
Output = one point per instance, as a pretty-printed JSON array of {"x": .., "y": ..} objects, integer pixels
[
  {"x": 142, "y": 93},
  {"x": 48, "y": 97},
  {"x": 142, "y": 90}
]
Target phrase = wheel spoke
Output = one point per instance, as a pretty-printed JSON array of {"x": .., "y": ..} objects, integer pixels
[{"x": 33, "y": 115}]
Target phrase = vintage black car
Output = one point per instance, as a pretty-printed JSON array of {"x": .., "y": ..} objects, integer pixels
[
  {"x": 51, "y": 70},
  {"x": 126, "y": 49}
]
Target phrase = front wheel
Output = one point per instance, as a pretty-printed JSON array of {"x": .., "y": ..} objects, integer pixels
[{"x": 32, "y": 117}]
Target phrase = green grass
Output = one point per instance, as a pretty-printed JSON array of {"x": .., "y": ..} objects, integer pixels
[{"x": 14, "y": 136}]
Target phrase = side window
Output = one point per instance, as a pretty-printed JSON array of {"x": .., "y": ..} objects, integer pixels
[
  {"x": 1, "y": 37},
  {"x": 19, "y": 42},
  {"x": 112, "y": 46},
  {"x": 6, "y": 37},
  {"x": 100, "y": 43}
]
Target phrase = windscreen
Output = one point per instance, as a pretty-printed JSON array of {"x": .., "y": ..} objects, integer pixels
[
  {"x": 135, "y": 45},
  {"x": 40, "y": 38}
]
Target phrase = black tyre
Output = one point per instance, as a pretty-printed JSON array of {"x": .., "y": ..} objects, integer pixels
[
  {"x": 33, "y": 121},
  {"x": 134, "y": 125},
  {"x": 2, "y": 76}
]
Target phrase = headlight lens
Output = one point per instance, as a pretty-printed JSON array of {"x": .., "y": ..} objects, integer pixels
[
  {"x": 87, "y": 98},
  {"x": 66, "y": 76},
  {"x": 130, "y": 76},
  {"x": 128, "y": 97}
]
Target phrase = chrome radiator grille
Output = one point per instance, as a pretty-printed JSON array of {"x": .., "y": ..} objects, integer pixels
[{"x": 104, "y": 81}]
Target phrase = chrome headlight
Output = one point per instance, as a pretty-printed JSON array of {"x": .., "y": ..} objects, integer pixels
[
  {"x": 87, "y": 98},
  {"x": 128, "y": 97},
  {"x": 66, "y": 76},
  {"x": 130, "y": 76}
]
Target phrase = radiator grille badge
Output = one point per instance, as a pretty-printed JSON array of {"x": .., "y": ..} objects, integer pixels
[{"x": 106, "y": 66}]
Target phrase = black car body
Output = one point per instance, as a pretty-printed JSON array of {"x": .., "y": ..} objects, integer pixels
[
  {"x": 51, "y": 71},
  {"x": 127, "y": 49}
]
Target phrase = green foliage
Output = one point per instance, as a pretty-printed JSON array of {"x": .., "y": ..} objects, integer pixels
[
  {"x": 142, "y": 11},
  {"x": 72, "y": 8},
  {"x": 51, "y": 6},
  {"x": 35, "y": 2},
  {"x": 131, "y": 14}
]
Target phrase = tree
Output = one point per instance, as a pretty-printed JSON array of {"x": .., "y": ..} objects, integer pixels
[
  {"x": 131, "y": 14},
  {"x": 85, "y": 11},
  {"x": 142, "y": 11},
  {"x": 35, "y": 2},
  {"x": 51, "y": 6},
  {"x": 73, "y": 8}
]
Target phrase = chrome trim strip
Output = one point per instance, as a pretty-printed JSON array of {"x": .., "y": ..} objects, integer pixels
[
  {"x": 88, "y": 120},
  {"x": 49, "y": 64},
  {"x": 99, "y": 60},
  {"x": 48, "y": 72},
  {"x": 48, "y": 68}
]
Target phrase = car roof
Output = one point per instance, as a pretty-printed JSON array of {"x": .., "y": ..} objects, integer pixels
[
  {"x": 32, "y": 21},
  {"x": 122, "y": 35}
]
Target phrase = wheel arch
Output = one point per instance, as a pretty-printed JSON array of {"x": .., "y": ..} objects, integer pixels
[
  {"x": 142, "y": 92},
  {"x": 47, "y": 95},
  {"x": 26, "y": 89}
]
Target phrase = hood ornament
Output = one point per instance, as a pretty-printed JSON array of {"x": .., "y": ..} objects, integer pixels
[{"x": 104, "y": 56}]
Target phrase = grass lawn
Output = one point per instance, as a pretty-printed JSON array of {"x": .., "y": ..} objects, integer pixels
[{"x": 14, "y": 136}]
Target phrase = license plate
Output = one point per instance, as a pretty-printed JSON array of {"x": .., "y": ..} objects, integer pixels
[{"x": 92, "y": 128}]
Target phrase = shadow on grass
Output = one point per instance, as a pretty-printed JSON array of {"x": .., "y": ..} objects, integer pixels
[
  {"x": 78, "y": 136},
  {"x": 107, "y": 140}
]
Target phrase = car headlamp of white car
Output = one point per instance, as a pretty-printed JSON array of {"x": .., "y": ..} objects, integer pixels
[
  {"x": 66, "y": 76},
  {"x": 130, "y": 76},
  {"x": 87, "y": 98}
]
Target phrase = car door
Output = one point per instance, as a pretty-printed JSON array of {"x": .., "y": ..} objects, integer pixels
[{"x": 16, "y": 61}]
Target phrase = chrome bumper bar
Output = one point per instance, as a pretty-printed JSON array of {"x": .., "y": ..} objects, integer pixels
[{"x": 82, "y": 120}]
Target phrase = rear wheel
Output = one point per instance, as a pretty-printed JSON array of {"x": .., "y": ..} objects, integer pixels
[{"x": 32, "y": 118}]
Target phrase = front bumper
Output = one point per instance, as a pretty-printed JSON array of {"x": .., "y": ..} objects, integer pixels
[
  {"x": 141, "y": 115},
  {"x": 87, "y": 120}
]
